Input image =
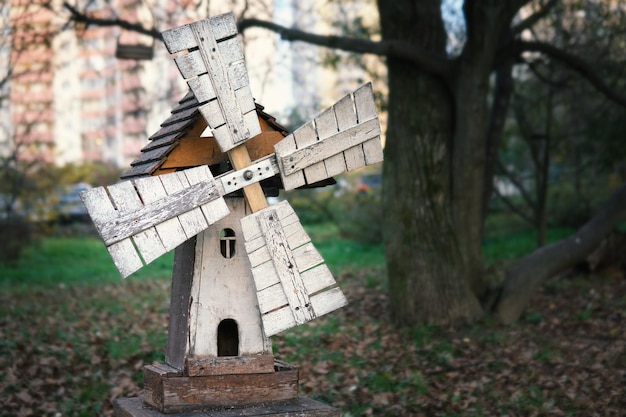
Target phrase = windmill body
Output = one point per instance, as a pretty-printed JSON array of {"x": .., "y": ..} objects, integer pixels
[{"x": 243, "y": 270}]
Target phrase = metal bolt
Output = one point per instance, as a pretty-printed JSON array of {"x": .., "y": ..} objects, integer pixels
[{"x": 248, "y": 175}]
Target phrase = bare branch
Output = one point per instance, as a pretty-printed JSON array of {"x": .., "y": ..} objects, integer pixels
[
  {"x": 80, "y": 17},
  {"x": 395, "y": 49},
  {"x": 534, "y": 18},
  {"x": 582, "y": 67}
]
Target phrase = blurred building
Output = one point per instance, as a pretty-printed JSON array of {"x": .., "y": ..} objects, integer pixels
[{"x": 69, "y": 98}]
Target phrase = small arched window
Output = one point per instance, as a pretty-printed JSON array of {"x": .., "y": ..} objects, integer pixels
[
  {"x": 227, "y": 243},
  {"x": 228, "y": 338}
]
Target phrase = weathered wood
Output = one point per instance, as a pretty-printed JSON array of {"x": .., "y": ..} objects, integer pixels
[
  {"x": 285, "y": 265},
  {"x": 158, "y": 214},
  {"x": 337, "y": 141},
  {"x": 334, "y": 145},
  {"x": 299, "y": 407},
  {"x": 240, "y": 159},
  {"x": 292, "y": 283},
  {"x": 136, "y": 217},
  {"x": 172, "y": 394},
  {"x": 216, "y": 69},
  {"x": 224, "y": 365},
  {"x": 180, "y": 300},
  {"x": 365, "y": 110},
  {"x": 217, "y": 282}
]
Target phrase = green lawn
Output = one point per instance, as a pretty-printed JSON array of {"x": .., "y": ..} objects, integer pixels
[{"x": 74, "y": 336}]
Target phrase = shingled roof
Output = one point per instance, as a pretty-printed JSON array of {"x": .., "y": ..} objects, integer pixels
[{"x": 185, "y": 119}]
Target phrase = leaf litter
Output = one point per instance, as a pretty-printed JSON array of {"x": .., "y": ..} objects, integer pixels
[{"x": 71, "y": 351}]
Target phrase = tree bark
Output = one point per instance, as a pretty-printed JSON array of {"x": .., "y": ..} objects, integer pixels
[
  {"x": 425, "y": 265},
  {"x": 525, "y": 276}
]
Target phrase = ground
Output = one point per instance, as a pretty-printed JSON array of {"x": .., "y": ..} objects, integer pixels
[{"x": 71, "y": 350}]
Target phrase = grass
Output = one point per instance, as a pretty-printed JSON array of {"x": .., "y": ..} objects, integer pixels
[
  {"x": 63, "y": 261},
  {"x": 73, "y": 336}
]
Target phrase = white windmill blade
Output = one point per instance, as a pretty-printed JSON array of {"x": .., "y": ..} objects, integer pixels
[
  {"x": 344, "y": 137},
  {"x": 215, "y": 70},
  {"x": 140, "y": 220},
  {"x": 292, "y": 282}
]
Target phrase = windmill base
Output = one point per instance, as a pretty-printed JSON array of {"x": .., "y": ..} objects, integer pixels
[
  {"x": 219, "y": 383},
  {"x": 299, "y": 407}
]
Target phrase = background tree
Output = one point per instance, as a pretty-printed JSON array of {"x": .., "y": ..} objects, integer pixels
[{"x": 446, "y": 119}]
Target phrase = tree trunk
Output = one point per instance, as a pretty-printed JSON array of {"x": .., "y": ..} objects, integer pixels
[
  {"x": 525, "y": 276},
  {"x": 427, "y": 269}
]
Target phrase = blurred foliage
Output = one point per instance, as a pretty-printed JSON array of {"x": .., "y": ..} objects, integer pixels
[
  {"x": 16, "y": 235},
  {"x": 562, "y": 130},
  {"x": 353, "y": 205}
]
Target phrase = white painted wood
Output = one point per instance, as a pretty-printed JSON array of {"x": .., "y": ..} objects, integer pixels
[
  {"x": 288, "y": 271},
  {"x": 323, "y": 303},
  {"x": 223, "y": 26},
  {"x": 338, "y": 141},
  {"x": 213, "y": 210},
  {"x": 231, "y": 52},
  {"x": 216, "y": 59},
  {"x": 202, "y": 88},
  {"x": 315, "y": 280},
  {"x": 157, "y": 213},
  {"x": 101, "y": 209},
  {"x": 326, "y": 125},
  {"x": 151, "y": 190},
  {"x": 125, "y": 257},
  {"x": 295, "y": 180},
  {"x": 224, "y": 288},
  {"x": 190, "y": 65},
  {"x": 345, "y": 141},
  {"x": 286, "y": 266},
  {"x": 148, "y": 242},
  {"x": 135, "y": 217},
  {"x": 221, "y": 57},
  {"x": 192, "y": 221},
  {"x": 178, "y": 39},
  {"x": 366, "y": 109},
  {"x": 305, "y": 136},
  {"x": 346, "y": 118}
]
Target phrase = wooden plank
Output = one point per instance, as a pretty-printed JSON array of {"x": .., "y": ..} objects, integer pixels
[
  {"x": 366, "y": 109},
  {"x": 315, "y": 280},
  {"x": 326, "y": 125},
  {"x": 240, "y": 159},
  {"x": 137, "y": 218},
  {"x": 228, "y": 365},
  {"x": 286, "y": 266},
  {"x": 125, "y": 257},
  {"x": 149, "y": 242},
  {"x": 305, "y": 136},
  {"x": 178, "y": 39},
  {"x": 295, "y": 180},
  {"x": 346, "y": 118},
  {"x": 202, "y": 88},
  {"x": 298, "y": 407},
  {"x": 323, "y": 303},
  {"x": 213, "y": 210},
  {"x": 345, "y": 141},
  {"x": 180, "y": 299},
  {"x": 191, "y": 65},
  {"x": 216, "y": 58},
  {"x": 223, "y": 26},
  {"x": 171, "y": 394},
  {"x": 192, "y": 221}
]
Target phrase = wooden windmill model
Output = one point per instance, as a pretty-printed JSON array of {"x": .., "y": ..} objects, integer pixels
[{"x": 229, "y": 298}]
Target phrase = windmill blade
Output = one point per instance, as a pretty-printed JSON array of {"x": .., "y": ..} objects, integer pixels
[
  {"x": 140, "y": 220},
  {"x": 215, "y": 70},
  {"x": 292, "y": 282},
  {"x": 344, "y": 137}
]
